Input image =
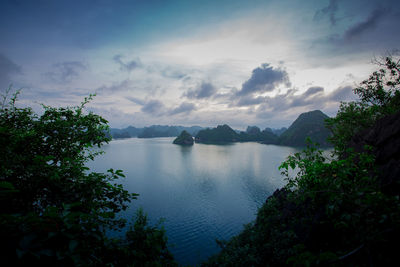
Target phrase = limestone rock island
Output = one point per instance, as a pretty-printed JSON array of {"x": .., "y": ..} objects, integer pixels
[{"x": 184, "y": 139}]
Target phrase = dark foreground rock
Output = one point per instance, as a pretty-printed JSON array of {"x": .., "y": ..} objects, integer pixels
[{"x": 384, "y": 137}]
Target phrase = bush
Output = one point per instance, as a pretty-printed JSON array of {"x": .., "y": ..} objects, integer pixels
[
  {"x": 54, "y": 211},
  {"x": 379, "y": 96},
  {"x": 331, "y": 212}
]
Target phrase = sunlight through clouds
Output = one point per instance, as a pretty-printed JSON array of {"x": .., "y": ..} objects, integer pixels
[{"x": 151, "y": 62}]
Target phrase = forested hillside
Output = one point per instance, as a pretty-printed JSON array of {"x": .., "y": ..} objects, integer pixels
[
  {"x": 307, "y": 125},
  {"x": 343, "y": 211}
]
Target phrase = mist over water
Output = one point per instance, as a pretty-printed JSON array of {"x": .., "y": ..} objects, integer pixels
[{"x": 204, "y": 192}]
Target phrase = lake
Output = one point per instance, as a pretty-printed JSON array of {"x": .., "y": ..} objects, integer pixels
[{"x": 204, "y": 192}]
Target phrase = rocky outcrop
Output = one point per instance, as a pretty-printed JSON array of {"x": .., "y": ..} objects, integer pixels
[
  {"x": 310, "y": 124},
  {"x": 184, "y": 139},
  {"x": 221, "y": 134},
  {"x": 384, "y": 137}
]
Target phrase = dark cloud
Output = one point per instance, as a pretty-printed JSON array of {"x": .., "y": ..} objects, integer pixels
[
  {"x": 313, "y": 97},
  {"x": 136, "y": 100},
  {"x": 369, "y": 27},
  {"x": 264, "y": 79},
  {"x": 115, "y": 87},
  {"x": 329, "y": 11},
  {"x": 127, "y": 66},
  {"x": 185, "y": 107},
  {"x": 7, "y": 69},
  {"x": 249, "y": 101},
  {"x": 313, "y": 90},
  {"x": 341, "y": 94},
  {"x": 156, "y": 107},
  {"x": 204, "y": 90},
  {"x": 153, "y": 107},
  {"x": 366, "y": 25},
  {"x": 65, "y": 72}
]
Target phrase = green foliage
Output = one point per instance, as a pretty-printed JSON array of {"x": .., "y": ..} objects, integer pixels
[
  {"x": 54, "y": 211},
  {"x": 379, "y": 96},
  {"x": 144, "y": 245},
  {"x": 329, "y": 213},
  {"x": 333, "y": 211}
]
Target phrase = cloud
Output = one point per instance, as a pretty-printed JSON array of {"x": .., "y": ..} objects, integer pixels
[
  {"x": 250, "y": 101},
  {"x": 330, "y": 11},
  {"x": 154, "y": 107},
  {"x": 204, "y": 90},
  {"x": 341, "y": 94},
  {"x": 7, "y": 69},
  {"x": 313, "y": 97},
  {"x": 185, "y": 107},
  {"x": 313, "y": 90},
  {"x": 136, "y": 100},
  {"x": 264, "y": 79},
  {"x": 65, "y": 72},
  {"x": 170, "y": 72},
  {"x": 129, "y": 65},
  {"x": 366, "y": 25},
  {"x": 115, "y": 87}
]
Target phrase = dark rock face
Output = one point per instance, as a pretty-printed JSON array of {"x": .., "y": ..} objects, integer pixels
[{"x": 384, "y": 136}]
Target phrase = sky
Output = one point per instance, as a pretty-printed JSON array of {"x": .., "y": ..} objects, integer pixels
[{"x": 189, "y": 62}]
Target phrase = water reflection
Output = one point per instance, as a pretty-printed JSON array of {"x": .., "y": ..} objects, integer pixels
[{"x": 203, "y": 191}]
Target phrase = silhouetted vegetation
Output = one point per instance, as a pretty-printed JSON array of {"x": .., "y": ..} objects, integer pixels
[
  {"x": 54, "y": 210},
  {"x": 335, "y": 212},
  {"x": 332, "y": 212}
]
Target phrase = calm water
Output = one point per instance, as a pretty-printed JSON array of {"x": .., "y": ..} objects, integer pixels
[{"x": 204, "y": 192}]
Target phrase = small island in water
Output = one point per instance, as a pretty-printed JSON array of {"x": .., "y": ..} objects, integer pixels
[
  {"x": 307, "y": 125},
  {"x": 184, "y": 139}
]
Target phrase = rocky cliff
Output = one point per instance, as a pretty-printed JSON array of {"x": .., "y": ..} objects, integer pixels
[{"x": 384, "y": 137}]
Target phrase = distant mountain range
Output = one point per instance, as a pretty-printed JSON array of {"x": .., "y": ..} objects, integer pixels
[
  {"x": 310, "y": 124},
  {"x": 225, "y": 134},
  {"x": 153, "y": 131}
]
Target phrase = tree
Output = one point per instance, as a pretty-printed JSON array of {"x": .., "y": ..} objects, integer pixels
[
  {"x": 54, "y": 210},
  {"x": 379, "y": 95},
  {"x": 333, "y": 211}
]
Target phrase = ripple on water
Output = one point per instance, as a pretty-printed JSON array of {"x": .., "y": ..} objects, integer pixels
[
  {"x": 206, "y": 192},
  {"x": 193, "y": 237}
]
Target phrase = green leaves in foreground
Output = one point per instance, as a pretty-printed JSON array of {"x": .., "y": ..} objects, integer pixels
[
  {"x": 54, "y": 211},
  {"x": 330, "y": 213},
  {"x": 333, "y": 211}
]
